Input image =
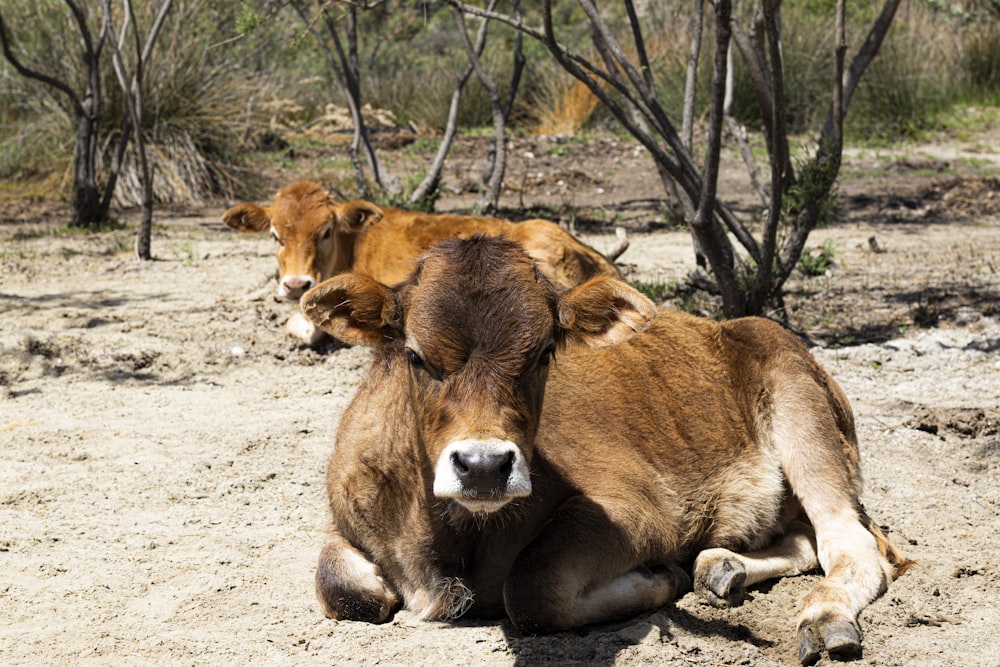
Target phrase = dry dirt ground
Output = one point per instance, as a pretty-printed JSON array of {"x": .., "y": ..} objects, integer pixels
[{"x": 163, "y": 444}]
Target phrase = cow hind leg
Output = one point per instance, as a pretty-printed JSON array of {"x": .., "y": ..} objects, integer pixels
[
  {"x": 350, "y": 587},
  {"x": 721, "y": 576},
  {"x": 814, "y": 434}
]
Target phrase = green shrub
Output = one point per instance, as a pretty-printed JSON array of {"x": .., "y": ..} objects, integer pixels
[{"x": 818, "y": 260}]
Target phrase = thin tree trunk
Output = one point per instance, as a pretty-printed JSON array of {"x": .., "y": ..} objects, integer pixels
[
  {"x": 489, "y": 197},
  {"x": 691, "y": 80},
  {"x": 116, "y": 165},
  {"x": 433, "y": 177},
  {"x": 132, "y": 90},
  {"x": 711, "y": 236},
  {"x": 515, "y": 83}
]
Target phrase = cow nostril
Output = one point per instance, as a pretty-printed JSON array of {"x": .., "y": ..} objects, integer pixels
[
  {"x": 507, "y": 467},
  {"x": 460, "y": 466}
]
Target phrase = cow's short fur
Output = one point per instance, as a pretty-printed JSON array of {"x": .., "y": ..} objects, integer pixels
[
  {"x": 317, "y": 237},
  {"x": 564, "y": 458}
]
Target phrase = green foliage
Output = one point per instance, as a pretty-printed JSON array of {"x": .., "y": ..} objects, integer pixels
[
  {"x": 402, "y": 200},
  {"x": 937, "y": 54},
  {"x": 982, "y": 60},
  {"x": 247, "y": 20},
  {"x": 656, "y": 291},
  {"x": 817, "y": 261},
  {"x": 814, "y": 188},
  {"x": 677, "y": 295}
]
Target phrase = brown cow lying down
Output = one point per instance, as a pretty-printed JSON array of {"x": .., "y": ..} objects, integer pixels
[
  {"x": 317, "y": 237},
  {"x": 663, "y": 440}
]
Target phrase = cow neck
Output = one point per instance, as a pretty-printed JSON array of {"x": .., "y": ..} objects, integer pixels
[{"x": 386, "y": 388}]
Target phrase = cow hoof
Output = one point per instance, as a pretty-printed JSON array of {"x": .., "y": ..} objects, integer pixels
[
  {"x": 840, "y": 638},
  {"x": 809, "y": 645},
  {"x": 365, "y": 610},
  {"x": 723, "y": 584}
]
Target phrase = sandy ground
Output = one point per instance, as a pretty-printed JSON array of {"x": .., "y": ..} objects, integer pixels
[{"x": 163, "y": 445}]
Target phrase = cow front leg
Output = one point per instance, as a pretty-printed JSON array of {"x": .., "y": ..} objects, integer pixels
[
  {"x": 351, "y": 587},
  {"x": 299, "y": 327},
  {"x": 721, "y": 576},
  {"x": 584, "y": 569}
]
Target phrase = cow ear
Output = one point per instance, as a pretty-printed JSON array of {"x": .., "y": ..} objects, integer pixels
[
  {"x": 358, "y": 214},
  {"x": 247, "y": 218},
  {"x": 354, "y": 308},
  {"x": 603, "y": 312}
]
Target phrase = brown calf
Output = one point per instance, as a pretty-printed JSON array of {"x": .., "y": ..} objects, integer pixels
[
  {"x": 562, "y": 457},
  {"x": 317, "y": 237}
]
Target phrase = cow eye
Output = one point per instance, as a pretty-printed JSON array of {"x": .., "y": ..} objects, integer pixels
[
  {"x": 547, "y": 355},
  {"x": 415, "y": 359},
  {"x": 274, "y": 235},
  {"x": 326, "y": 233}
]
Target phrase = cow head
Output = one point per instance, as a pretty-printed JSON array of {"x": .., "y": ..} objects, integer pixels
[
  {"x": 478, "y": 326},
  {"x": 313, "y": 234}
]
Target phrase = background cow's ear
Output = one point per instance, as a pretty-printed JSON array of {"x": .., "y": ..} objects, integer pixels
[
  {"x": 247, "y": 218},
  {"x": 354, "y": 308},
  {"x": 356, "y": 215},
  {"x": 603, "y": 312}
]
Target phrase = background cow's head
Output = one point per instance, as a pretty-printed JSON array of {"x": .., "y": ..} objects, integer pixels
[
  {"x": 478, "y": 325},
  {"x": 313, "y": 234}
]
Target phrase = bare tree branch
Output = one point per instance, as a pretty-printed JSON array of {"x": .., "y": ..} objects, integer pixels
[
  {"x": 691, "y": 80},
  {"x": 451, "y": 127},
  {"x": 515, "y": 83},
  {"x": 623, "y": 85},
  {"x": 828, "y": 155},
  {"x": 864, "y": 57},
  {"x": 29, "y": 73},
  {"x": 490, "y": 196},
  {"x": 761, "y": 291},
  {"x": 132, "y": 89},
  {"x": 711, "y": 236},
  {"x": 126, "y": 130}
]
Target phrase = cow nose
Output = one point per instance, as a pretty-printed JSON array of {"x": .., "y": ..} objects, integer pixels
[
  {"x": 296, "y": 286},
  {"x": 483, "y": 473}
]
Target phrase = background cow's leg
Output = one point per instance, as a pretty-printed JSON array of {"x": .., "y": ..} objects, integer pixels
[
  {"x": 351, "y": 587},
  {"x": 814, "y": 433},
  {"x": 582, "y": 569},
  {"x": 301, "y": 328},
  {"x": 721, "y": 576}
]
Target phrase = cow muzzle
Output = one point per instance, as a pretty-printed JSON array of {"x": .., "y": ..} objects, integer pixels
[
  {"x": 482, "y": 475},
  {"x": 293, "y": 287}
]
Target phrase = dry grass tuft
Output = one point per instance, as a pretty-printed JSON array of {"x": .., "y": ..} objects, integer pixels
[{"x": 560, "y": 104}]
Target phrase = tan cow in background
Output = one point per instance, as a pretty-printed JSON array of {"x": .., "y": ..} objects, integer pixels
[
  {"x": 318, "y": 237},
  {"x": 566, "y": 457}
]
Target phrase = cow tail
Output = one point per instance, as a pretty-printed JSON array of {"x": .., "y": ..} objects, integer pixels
[{"x": 900, "y": 563}]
